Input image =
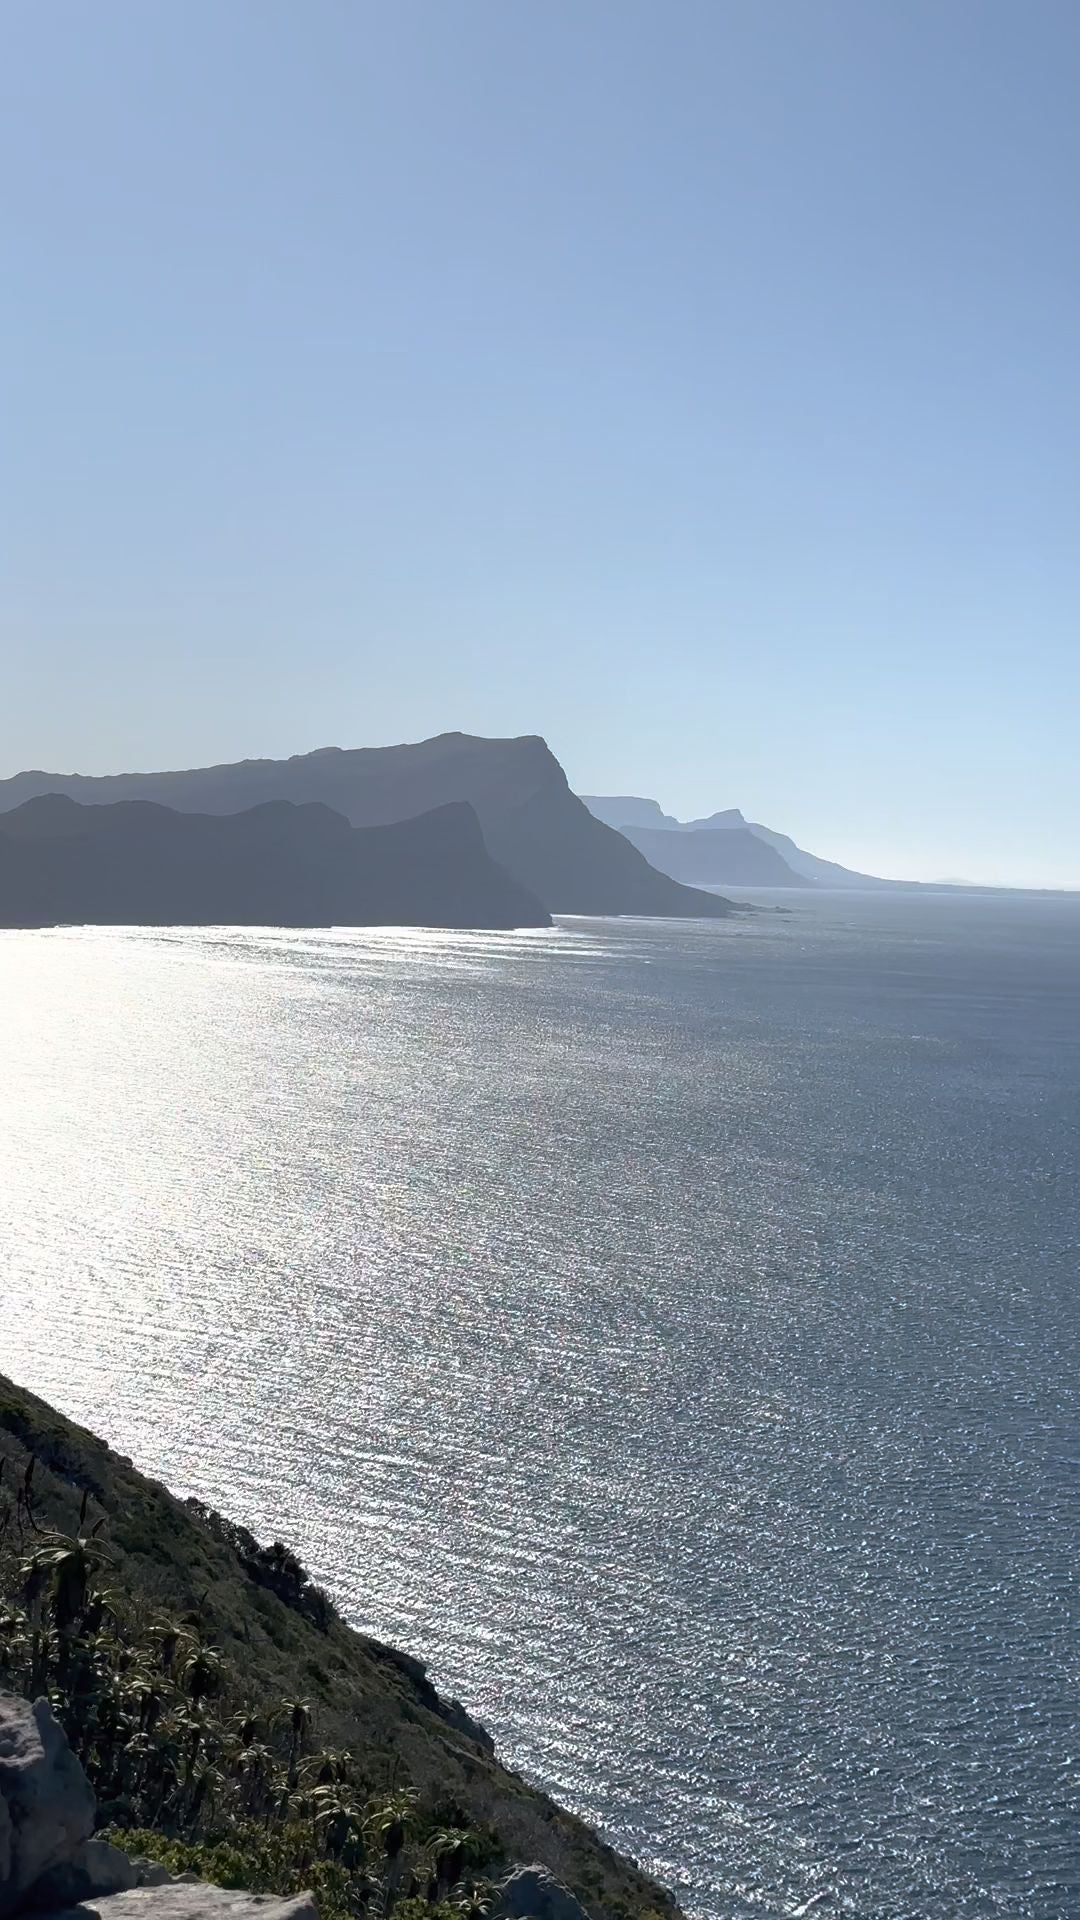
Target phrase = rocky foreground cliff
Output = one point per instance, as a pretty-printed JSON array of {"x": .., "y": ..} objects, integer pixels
[
  {"x": 52, "y": 1864},
  {"x": 232, "y": 1728}
]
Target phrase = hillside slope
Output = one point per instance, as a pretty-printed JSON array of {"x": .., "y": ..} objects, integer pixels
[
  {"x": 825, "y": 873},
  {"x": 532, "y": 824},
  {"x": 280, "y": 1639},
  {"x": 134, "y": 862}
]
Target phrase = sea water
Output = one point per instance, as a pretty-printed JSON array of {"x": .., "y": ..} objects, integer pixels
[{"x": 666, "y": 1330}]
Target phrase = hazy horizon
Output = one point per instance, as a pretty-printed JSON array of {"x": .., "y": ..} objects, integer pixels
[
  {"x": 693, "y": 387},
  {"x": 848, "y": 854}
]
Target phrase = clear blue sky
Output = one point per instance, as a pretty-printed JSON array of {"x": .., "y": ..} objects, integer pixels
[{"x": 695, "y": 382}]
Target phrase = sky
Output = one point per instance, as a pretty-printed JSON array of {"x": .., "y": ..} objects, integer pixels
[{"x": 694, "y": 382}]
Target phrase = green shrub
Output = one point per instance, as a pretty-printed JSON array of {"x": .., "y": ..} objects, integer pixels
[{"x": 189, "y": 1771}]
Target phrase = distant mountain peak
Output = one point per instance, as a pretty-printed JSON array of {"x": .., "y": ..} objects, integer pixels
[
  {"x": 627, "y": 810},
  {"x": 722, "y": 853},
  {"x": 719, "y": 822}
]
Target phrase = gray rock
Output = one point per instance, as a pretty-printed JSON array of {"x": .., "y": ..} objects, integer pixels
[
  {"x": 150, "y": 1873},
  {"x": 534, "y": 1892},
  {"x": 451, "y": 1711},
  {"x": 462, "y": 1721},
  {"x": 46, "y": 1804},
  {"x": 94, "y": 1868},
  {"x": 193, "y": 1901}
]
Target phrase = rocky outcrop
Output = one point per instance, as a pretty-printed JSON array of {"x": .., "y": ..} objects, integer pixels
[
  {"x": 94, "y": 1868},
  {"x": 532, "y": 1893},
  {"x": 451, "y": 1711},
  {"x": 194, "y": 1900},
  {"x": 50, "y": 1865},
  {"x": 46, "y": 1806},
  {"x": 174, "y": 1555}
]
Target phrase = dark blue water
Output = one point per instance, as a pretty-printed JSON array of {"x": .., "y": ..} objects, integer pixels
[{"x": 677, "y": 1328}]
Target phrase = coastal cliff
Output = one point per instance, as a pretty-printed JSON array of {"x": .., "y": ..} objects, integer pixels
[
  {"x": 233, "y": 1726},
  {"x": 136, "y": 863},
  {"x": 533, "y": 825}
]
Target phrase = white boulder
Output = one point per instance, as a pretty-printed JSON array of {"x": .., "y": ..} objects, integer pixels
[
  {"x": 46, "y": 1803},
  {"x": 193, "y": 1900}
]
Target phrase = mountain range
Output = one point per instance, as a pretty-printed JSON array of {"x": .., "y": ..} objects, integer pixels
[
  {"x": 133, "y": 862},
  {"x": 723, "y": 849},
  {"x": 525, "y": 818}
]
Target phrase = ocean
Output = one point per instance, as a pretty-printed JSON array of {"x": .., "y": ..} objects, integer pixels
[{"x": 667, "y": 1330}]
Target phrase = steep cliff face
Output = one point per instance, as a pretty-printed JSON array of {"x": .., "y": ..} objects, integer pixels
[
  {"x": 179, "y": 1584},
  {"x": 532, "y": 824},
  {"x": 52, "y": 1866},
  {"x": 134, "y": 862},
  {"x": 576, "y": 864}
]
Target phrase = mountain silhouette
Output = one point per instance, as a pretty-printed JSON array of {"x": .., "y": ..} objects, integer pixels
[
  {"x": 714, "y": 856},
  {"x": 622, "y": 810},
  {"x": 137, "y": 863},
  {"x": 532, "y": 823},
  {"x": 722, "y": 850},
  {"x": 727, "y": 817},
  {"x": 826, "y": 873},
  {"x": 728, "y": 854}
]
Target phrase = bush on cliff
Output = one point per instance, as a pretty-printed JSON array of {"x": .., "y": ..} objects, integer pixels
[
  {"x": 219, "y": 1700},
  {"x": 187, "y": 1771}
]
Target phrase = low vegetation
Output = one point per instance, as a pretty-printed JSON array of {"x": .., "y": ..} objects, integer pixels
[{"x": 230, "y": 1723}]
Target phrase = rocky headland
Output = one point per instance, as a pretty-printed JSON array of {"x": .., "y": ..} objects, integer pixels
[
  {"x": 136, "y": 863},
  {"x": 532, "y": 825},
  {"x": 188, "y": 1728}
]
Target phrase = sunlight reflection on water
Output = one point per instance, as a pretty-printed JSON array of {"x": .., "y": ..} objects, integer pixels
[{"x": 668, "y": 1331}]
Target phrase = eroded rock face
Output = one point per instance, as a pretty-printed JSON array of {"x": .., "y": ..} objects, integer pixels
[
  {"x": 534, "y": 1892},
  {"x": 46, "y": 1804}
]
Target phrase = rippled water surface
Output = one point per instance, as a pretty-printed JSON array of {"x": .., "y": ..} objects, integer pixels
[{"x": 669, "y": 1331}]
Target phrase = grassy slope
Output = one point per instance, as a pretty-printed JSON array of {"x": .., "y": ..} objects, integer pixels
[{"x": 363, "y": 1694}]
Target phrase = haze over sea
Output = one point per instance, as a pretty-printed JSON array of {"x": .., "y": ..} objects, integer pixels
[{"x": 666, "y": 1329}]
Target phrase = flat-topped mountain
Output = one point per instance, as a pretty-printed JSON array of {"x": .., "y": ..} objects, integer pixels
[
  {"x": 532, "y": 824},
  {"x": 722, "y": 850},
  {"x": 727, "y": 817},
  {"x": 715, "y": 856},
  {"x": 725, "y": 848},
  {"x": 136, "y": 863},
  {"x": 622, "y": 810}
]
